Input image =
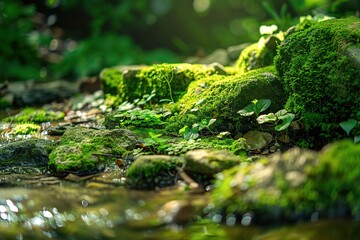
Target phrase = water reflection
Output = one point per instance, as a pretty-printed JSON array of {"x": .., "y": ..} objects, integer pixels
[{"x": 70, "y": 211}]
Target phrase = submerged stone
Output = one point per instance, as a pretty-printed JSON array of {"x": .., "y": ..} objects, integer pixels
[
  {"x": 28, "y": 152},
  {"x": 320, "y": 70},
  {"x": 83, "y": 150},
  {"x": 293, "y": 185},
  {"x": 151, "y": 171}
]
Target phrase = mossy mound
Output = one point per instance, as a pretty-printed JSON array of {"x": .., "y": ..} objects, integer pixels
[
  {"x": 320, "y": 67},
  {"x": 28, "y": 152},
  {"x": 293, "y": 185},
  {"x": 168, "y": 80},
  {"x": 35, "y": 115},
  {"x": 82, "y": 150},
  {"x": 149, "y": 172},
  {"x": 221, "y": 97}
]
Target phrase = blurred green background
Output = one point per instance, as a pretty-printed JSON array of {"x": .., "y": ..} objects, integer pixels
[{"x": 69, "y": 39}]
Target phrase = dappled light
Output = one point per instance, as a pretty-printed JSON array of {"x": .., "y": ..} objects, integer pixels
[{"x": 191, "y": 119}]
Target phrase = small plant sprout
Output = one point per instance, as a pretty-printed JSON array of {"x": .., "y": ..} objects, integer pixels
[
  {"x": 281, "y": 119},
  {"x": 256, "y": 106},
  {"x": 194, "y": 131},
  {"x": 349, "y": 125}
]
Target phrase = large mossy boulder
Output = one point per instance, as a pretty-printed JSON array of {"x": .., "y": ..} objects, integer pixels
[
  {"x": 82, "y": 150},
  {"x": 169, "y": 81},
  {"x": 320, "y": 68},
  {"x": 221, "y": 97},
  {"x": 28, "y": 153},
  {"x": 152, "y": 171},
  {"x": 294, "y": 185}
]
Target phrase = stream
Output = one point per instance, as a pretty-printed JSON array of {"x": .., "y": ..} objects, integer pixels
[{"x": 45, "y": 207}]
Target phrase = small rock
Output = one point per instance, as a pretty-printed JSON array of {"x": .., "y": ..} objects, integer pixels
[
  {"x": 209, "y": 162},
  {"x": 258, "y": 140}
]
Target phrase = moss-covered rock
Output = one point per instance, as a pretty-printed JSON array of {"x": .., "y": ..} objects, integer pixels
[
  {"x": 260, "y": 54},
  {"x": 168, "y": 80},
  {"x": 221, "y": 97},
  {"x": 293, "y": 185},
  {"x": 35, "y": 115},
  {"x": 151, "y": 171},
  {"x": 321, "y": 74},
  {"x": 83, "y": 150},
  {"x": 28, "y": 152},
  {"x": 210, "y": 162}
]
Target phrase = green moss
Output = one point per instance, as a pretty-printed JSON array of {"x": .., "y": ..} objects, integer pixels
[
  {"x": 168, "y": 80},
  {"x": 25, "y": 128},
  {"x": 78, "y": 146},
  {"x": 35, "y": 115},
  {"x": 221, "y": 97},
  {"x": 260, "y": 54},
  {"x": 322, "y": 77},
  {"x": 148, "y": 172},
  {"x": 340, "y": 174},
  {"x": 294, "y": 184}
]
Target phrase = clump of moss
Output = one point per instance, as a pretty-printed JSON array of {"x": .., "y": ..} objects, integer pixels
[
  {"x": 321, "y": 74},
  {"x": 25, "y": 129},
  {"x": 168, "y": 80},
  {"x": 148, "y": 172},
  {"x": 221, "y": 97},
  {"x": 35, "y": 116}
]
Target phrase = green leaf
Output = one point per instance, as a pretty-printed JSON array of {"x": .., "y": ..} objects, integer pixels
[
  {"x": 348, "y": 125},
  {"x": 153, "y": 135},
  {"x": 266, "y": 118},
  {"x": 286, "y": 121},
  {"x": 281, "y": 113},
  {"x": 211, "y": 121},
  {"x": 357, "y": 139},
  {"x": 245, "y": 113},
  {"x": 261, "y": 105}
]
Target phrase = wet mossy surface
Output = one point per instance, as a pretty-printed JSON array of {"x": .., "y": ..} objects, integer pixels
[
  {"x": 28, "y": 152},
  {"x": 82, "y": 150},
  {"x": 293, "y": 185},
  {"x": 149, "y": 172},
  {"x": 321, "y": 74}
]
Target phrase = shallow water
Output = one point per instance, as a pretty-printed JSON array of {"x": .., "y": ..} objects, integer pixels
[{"x": 43, "y": 207}]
